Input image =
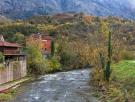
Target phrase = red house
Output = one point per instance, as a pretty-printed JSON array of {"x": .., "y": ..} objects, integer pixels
[{"x": 46, "y": 42}]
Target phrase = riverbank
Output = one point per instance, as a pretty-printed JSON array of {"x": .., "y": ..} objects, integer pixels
[
  {"x": 121, "y": 87},
  {"x": 8, "y": 90}
]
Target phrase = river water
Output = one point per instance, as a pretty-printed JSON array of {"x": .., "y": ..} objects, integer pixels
[{"x": 72, "y": 86}]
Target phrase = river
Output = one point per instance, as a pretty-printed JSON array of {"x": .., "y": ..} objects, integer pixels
[{"x": 72, "y": 86}]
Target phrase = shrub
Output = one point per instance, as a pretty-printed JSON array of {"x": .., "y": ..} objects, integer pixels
[
  {"x": 127, "y": 55},
  {"x": 44, "y": 66},
  {"x": 53, "y": 65},
  {"x": 1, "y": 57},
  {"x": 68, "y": 59},
  {"x": 5, "y": 97},
  {"x": 65, "y": 58},
  {"x": 1, "y": 61},
  {"x": 37, "y": 67}
]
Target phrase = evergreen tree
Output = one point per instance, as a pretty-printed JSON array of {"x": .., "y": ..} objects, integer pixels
[
  {"x": 52, "y": 48},
  {"x": 108, "y": 64}
]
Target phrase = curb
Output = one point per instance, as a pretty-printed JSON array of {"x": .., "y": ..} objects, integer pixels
[{"x": 8, "y": 86}]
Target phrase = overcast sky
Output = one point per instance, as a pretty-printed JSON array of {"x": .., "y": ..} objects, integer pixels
[{"x": 132, "y": 2}]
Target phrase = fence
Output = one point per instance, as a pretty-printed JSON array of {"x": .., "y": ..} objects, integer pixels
[{"x": 13, "y": 70}]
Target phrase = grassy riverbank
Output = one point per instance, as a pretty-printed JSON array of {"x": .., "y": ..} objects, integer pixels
[
  {"x": 121, "y": 88},
  {"x": 124, "y": 70},
  {"x": 124, "y": 77}
]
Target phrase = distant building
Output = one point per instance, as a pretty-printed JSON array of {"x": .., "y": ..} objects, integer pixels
[
  {"x": 46, "y": 42},
  {"x": 14, "y": 65}
]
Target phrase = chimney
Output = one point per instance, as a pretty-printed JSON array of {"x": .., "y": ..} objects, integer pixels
[
  {"x": 39, "y": 36},
  {"x": 2, "y": 38}
]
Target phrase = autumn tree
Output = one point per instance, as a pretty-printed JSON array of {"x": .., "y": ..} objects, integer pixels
[
  {"x": 36, "y": 62},
  {"x": 19, "y": 38},
  {"x": 102, "y": 52}
]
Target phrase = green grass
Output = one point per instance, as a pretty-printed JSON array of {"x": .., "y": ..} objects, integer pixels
[
  {"x": 124, "y": 75},
  {"x": 7, "y": 95},
  {"x": 124, "y": 69}
]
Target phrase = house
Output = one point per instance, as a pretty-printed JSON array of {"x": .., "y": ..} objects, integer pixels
[
  {"x": 13, "y": 66},
  {"x": 46, "y": 42}
]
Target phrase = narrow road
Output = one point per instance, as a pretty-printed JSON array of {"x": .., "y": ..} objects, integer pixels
[{"x": 72, "y": 86}]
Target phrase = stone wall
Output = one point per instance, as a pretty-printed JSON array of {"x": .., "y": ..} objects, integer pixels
[{"x": 13, "y": 70}]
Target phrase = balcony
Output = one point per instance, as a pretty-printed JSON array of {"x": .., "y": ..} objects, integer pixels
[{"x": 12, "y": 52}]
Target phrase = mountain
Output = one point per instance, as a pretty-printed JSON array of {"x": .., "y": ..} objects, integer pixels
[
  {"x": 4, "y": 20},
  {"x": 20, "y": 9}
]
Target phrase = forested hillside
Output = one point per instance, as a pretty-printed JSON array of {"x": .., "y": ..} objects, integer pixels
[{"x": 73, "y": 25}]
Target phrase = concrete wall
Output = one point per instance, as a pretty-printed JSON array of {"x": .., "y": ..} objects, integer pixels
[{"x": 13, "y": 70}]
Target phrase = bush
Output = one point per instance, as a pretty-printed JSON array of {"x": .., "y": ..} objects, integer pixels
[
  {"x": 68, "y": 59},
  {"x": 5, "y": 97},
  {"x": 53, "y": 65},
  {"x": 127, "y": 55},
  {"x": 44, "y": 66},
  {"x": 1, "y": 57},
  {"x": 37, "y": 67},
  {"x": 65, "y": 58}
]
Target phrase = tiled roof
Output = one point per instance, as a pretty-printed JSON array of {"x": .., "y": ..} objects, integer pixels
[
  {"x": 8, "y": 44},
  {"x": 46, "y": 38},
  {"x": 40, "y": 36}
]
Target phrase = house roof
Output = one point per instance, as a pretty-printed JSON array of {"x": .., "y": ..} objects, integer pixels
[
  {"x": 46, "y": 37},
  {"x": 40, "y": 36},
  {"x": 8, "y": 44}
]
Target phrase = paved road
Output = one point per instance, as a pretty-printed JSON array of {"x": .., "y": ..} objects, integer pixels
[{"x": 69, "y": 86}]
